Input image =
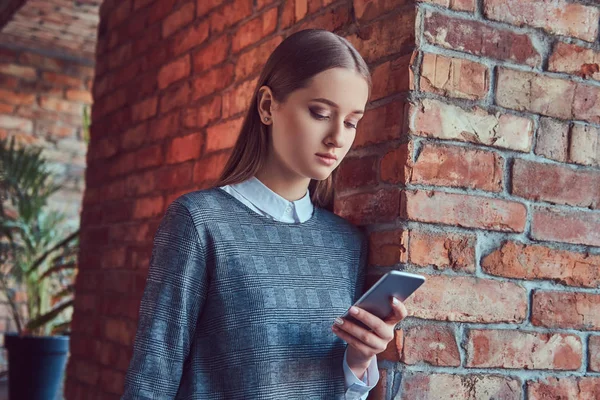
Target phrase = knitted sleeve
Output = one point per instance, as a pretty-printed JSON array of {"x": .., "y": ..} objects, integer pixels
[{"x": 173, "y": 298}]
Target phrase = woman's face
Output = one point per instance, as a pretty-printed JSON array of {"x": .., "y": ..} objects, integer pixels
[{"x": 318, "y": 119}]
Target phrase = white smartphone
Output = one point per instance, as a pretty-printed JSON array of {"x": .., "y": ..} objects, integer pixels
[{"x": 378, "y": 299}]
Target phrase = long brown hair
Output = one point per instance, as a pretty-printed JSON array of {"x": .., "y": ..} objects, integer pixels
[{"x": 292, "y": 64}]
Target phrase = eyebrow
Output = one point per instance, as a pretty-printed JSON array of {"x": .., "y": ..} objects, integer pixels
[{"x": 332, "y": 104}]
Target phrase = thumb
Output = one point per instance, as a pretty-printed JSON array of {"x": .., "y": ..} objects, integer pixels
[{"x": 399, "y": 312}]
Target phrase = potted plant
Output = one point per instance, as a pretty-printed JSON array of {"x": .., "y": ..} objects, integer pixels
[{"x": 38, "y": 256}]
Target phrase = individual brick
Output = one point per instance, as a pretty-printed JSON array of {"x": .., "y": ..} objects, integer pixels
[
  {"x": 468, "y": 299},
  {"x": 570, "y": 310},
  {"x": 443, "y": 250},
  {"x": 575, "y": 60},
  {"x": 559, "y": 17},
  {"x": 564, "y": 388},
  {"x": 432, "y": 344},
  {"x": 454, "y": 77},
  {"x": 458, "y": 167},
  {"x": 552, "y": 139},
  {"x": 585, "y": 145},
  {"x": 568, "y": 226},
  {"x": 431, "y": 386},
  {"x": 479, "y": 39},
  {"x": 465, "y": 210},
  {"x": 508, "y": 348},
  {"x": 559, "y": 184},
  {"x": 530, "y": 262},
  {"x": 432, "y": 118}
]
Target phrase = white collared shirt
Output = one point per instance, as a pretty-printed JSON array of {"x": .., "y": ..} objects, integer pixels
[{"x": 262, "y": 200}]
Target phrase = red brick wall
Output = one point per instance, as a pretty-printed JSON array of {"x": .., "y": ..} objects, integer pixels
[
  {"x": 443, "y": 186},
  {"x": 495, "y": 196}
]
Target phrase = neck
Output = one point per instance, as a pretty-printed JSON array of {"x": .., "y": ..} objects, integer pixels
[{"x": 289, "y": 186}]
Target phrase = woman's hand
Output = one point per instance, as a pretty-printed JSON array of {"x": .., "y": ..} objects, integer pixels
[{"x": 362, "y": 343}]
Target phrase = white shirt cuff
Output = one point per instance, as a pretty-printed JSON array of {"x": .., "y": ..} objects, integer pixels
[{"x": 357, "y": 389}]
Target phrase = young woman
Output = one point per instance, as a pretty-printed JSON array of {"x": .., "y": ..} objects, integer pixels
[{"x": 248, "y": 279}]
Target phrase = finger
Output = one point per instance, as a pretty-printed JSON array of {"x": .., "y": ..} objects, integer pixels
[
  {"x": 399, "y": 312},
  {"x": 364, "y": 349},
  {"x": 378, "y": 326},
  {"x": 372, "y": 339}
]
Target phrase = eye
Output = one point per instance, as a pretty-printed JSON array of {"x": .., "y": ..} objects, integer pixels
[{"x": 318, "y": 116}]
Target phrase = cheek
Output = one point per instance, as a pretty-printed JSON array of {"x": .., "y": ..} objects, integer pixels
[
  {"x": 301, "y": 131},
  {"x": 290, "y": 138},
  {"x": 349, "y": 141},
  {"x": 304, "y": 124}
]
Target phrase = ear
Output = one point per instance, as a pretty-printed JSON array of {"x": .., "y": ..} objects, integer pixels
[{"x": 265, "y": 104}]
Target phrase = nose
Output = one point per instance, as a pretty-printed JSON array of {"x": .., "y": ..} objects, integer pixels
[{"x": 336, "y": 134}]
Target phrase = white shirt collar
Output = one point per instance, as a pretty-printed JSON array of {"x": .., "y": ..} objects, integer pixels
[{"x": 270, "y": 202}]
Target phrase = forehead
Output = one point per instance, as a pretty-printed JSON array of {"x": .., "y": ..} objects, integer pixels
[{"x": 345, "y": 87}]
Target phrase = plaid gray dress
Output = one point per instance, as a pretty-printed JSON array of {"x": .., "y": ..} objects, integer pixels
[{"x": 239, "y": 306}]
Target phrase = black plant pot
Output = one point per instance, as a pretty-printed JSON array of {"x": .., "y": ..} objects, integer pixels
[{"x": 36, "y": 366}]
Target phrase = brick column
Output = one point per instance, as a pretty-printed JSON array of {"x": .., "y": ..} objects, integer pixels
[{"x": 494, "y": 195}]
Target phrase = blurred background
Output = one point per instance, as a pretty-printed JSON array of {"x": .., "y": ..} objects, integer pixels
[{"x": 47, "y": 58}]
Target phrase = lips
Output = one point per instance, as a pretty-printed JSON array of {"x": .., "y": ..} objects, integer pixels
[{"x": 327, "y": 155}]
